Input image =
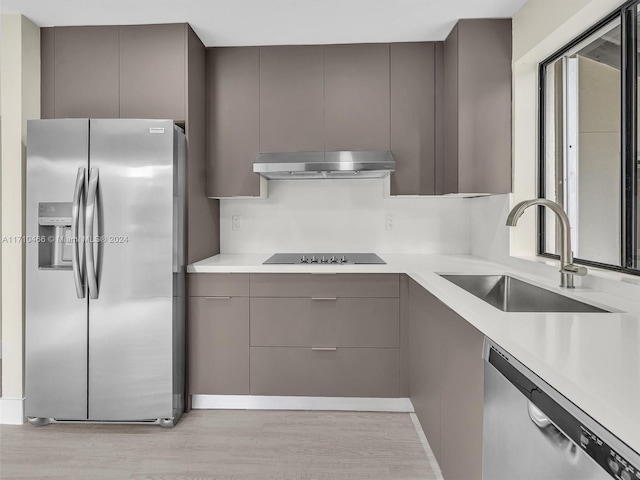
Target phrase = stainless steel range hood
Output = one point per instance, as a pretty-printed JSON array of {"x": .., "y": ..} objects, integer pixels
[{"x": 313, "y": 165}]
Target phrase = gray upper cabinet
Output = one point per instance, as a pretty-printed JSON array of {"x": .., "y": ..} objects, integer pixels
[
  {"x": 80, "y": 72},
  {"x": 292, "y": 99},
  {"x": 152, "y": 71},
  {"x": 357, "y": 97},
  {"x": 477, "y": 107},
  {"x": 413, "y": 118},
  {"x": 233, "y": 126},
  {"x": 47, "y": 72}
]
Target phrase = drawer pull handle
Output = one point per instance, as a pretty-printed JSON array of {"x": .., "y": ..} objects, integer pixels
[
  {"x": 324, "y": 349},
  {"x": 324, "y": 298},
  {"x": 218, "y": 298}
]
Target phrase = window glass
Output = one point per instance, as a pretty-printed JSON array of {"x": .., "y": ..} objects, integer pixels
[{"x": 582, "y": 148}]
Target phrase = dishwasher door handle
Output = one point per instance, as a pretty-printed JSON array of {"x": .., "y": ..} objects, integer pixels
[{"x": 552, "y": 433}]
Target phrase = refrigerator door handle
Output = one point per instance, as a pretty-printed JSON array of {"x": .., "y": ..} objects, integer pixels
[
  {"x": 78, "y": 198},
  {"x": 92, "y": 277}
]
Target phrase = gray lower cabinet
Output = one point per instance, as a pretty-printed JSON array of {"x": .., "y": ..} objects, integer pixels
[
  {"x": 425, "y": 361},
  {"x": 325, "y": 286},
  {"x": 325, "y": 335},
  {"x": 218, "y": 285},
  {"x": 462, "y": 390},
  {"x": 218, "y": 333},
  {"x": 343, "y": 372},
  {"x": 294, "y": 334},
  {"x": 446, "y": 383},
  {"x": 218, "y": 336},
  {"x": 325, "y": 322},
  {"x": 477, "y": 107}
]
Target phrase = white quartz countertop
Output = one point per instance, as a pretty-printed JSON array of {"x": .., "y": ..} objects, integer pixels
[{"x": 593, "y": 359}]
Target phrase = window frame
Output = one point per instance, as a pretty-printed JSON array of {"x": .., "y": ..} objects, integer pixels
[{"x": 628, "y": 14}]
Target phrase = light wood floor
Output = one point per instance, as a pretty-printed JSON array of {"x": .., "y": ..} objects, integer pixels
[{"x": 222, "y": 445}]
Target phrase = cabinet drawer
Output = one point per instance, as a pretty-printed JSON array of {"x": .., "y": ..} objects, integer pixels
[
  {"x": 344, "y": 372},
  {"x": 339, "y": 322},
  {"x": 338, "y": 285},
  {"x": 218, "y": 285},
  {"x": 218, "y": 345}
]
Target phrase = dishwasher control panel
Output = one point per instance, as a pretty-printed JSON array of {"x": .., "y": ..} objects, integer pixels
[{"x": 612, "y": 462}]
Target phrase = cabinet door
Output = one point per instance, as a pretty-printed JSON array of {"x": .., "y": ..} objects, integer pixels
[
  {"x": 311, "y": 285},
  {"x": 233, "y": 121},
  {"x": 292, "y": 99},
  {"x": 413, "y": 118},
  {"x": 218, "y": 284},
  {"x": 340, "y": 322},
  {"x": 462, "y": 390},
  {"x": 484, "y": 96},
  {"x": 425, "y": 312},
  {"x": 357, "y": 97},
  {"x": 85, "y": 72},
  {"x": 218, "y": 345},
  {"x": 477, "y": 107},
  {"x": 449, "y": 172},
  {"x": 152, "y": 71},
  {"x": 344, "y": 372},
  {"x": 47, "y": 72}
]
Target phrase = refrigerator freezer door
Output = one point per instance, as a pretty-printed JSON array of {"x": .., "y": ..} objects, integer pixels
[
  {"x": 56, "y": 319},
  {"x": 130, "y": 321}
]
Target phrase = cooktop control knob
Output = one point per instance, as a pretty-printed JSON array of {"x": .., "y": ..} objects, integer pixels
[
  {"x": 343, "y": 259},
  {"x": 324, "y": 259},
  {"x": 333, "y": 259},
  {"x": 314, "y": 259},
  {"x": 304, "y": 259},
  {"x": 613, "y": 465}
]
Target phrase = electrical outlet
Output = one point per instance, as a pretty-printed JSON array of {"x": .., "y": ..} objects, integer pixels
[
  {"x": 236, "y": 223},
  {"x": 389, "y": 221}
]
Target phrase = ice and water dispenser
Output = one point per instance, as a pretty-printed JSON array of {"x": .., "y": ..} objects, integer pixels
[{"x": 55, "y": 237}]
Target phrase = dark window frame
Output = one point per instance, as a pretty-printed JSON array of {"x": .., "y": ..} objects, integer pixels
[{"x": 627, "y": 13}]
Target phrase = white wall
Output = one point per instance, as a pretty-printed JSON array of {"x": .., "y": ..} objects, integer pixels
[
  {"x": 344, "y": 215},
  {"x": 20, "y": 101},
  {"x": 488, "y": 229}
]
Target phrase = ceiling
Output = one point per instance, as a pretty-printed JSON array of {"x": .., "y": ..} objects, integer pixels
[{"x": 274, "y": 22}]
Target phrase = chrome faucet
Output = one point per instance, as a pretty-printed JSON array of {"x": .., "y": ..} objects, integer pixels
[{"x": 567, "y": 268}]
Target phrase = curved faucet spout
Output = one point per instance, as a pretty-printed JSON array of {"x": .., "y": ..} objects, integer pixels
[{"x": 567, "y": 269}]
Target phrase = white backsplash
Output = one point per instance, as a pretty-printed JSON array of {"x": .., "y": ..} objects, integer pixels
[
  {"x": 489, "y": 232},
  {"x": 344, "y": 215}
]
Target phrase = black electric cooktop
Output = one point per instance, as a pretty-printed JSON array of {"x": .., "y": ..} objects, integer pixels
[{"x": 325, "y": 259}]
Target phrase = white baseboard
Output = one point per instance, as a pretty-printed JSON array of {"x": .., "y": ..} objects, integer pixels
[
  {"x": 258, "y": 402},
  {"x": 12, "y": 411},
  {"x": 433, "y": 463}
]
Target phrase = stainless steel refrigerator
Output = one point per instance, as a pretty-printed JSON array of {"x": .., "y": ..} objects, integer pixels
[{"x": 105, "y": 271}]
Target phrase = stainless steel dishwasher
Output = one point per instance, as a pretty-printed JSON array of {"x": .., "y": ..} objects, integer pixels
[{"x": 531, "y": 432}]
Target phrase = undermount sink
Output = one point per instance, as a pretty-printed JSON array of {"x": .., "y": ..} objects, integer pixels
[{"x": 512, "y": 295}]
